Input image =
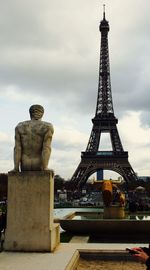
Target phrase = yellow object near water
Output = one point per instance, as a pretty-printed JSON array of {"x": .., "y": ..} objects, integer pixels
[
  {"x": 122, "y": 199},
  {"x": 107, "y": 189}
]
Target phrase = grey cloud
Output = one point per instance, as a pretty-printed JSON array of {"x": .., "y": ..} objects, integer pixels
[
  {"x": 65, "y": 145},
  {"x": 50, "y": 49},
  {"x": 145, "y": 118}
]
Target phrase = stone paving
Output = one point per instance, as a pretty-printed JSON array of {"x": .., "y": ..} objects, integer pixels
[
  {"x": 59, "y": 260},
  {"x": 111, "y": 265}
]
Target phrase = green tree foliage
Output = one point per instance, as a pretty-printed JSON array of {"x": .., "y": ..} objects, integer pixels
[
  {"x": 3, "y": 185},
  {"x": 58, "y": 183}
]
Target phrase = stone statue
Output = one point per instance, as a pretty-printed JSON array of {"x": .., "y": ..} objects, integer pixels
[{"x": 33, "y": 142}]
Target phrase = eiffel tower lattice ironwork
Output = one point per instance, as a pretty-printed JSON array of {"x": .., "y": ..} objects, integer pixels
[{"x": 104, "y": 122}]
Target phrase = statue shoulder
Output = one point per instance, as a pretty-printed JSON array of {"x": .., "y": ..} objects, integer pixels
[
  {"x": 49, "y": 126},
  {"x": 23, "y": 124}
]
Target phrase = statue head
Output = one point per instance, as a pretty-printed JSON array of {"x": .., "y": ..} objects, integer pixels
[{"x": 36, "y": 112}]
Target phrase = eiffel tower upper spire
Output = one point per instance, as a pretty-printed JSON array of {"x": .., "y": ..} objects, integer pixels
[
  {"x": 104, "y": 99},
  {"x": 103, "y": 11}
]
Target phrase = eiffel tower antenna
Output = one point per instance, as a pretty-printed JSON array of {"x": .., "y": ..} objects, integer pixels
[
  {"x": 104, "y": 121},
  {"x": 104, "y": 11}
]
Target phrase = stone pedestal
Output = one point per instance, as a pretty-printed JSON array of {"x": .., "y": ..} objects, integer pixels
[
  {"x": 30, "y": 224},
  {"x": 114, "y": 212}
]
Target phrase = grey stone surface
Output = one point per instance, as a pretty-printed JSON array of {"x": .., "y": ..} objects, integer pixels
[
  {"x": 30, "y": 224},
  {"x": 59, "y": 260}
]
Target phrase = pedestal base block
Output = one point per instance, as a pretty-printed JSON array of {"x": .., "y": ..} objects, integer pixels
[{"x": 30, "y": 225}]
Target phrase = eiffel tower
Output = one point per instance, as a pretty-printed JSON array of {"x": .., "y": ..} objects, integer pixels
[{"x": 104, "y": 121}]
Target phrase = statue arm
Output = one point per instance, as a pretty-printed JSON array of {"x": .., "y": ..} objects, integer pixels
[
  {"x": 46, "y": 151},
  {"x": 17, "y": 150}
]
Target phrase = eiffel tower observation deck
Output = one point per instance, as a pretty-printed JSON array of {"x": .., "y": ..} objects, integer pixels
[{"x": 104, "y": 121}]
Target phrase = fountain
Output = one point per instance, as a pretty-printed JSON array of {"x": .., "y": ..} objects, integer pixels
[
  {"x": 113, "y": 198},
  {"x": 112, "y": 221}
]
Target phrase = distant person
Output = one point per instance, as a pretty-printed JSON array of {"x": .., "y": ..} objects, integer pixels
[
  {"x": 132, "y": 206},
  {"x": 33, "y": 142},
  {"x": 140, "y": 206},
  {"x": 2, "y": 228}
]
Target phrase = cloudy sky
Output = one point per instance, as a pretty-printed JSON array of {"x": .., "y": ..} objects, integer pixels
[{"x": 49, "y": 54}]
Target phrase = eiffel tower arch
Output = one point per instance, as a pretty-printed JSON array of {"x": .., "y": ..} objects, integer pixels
[{"x": 104, "y": 121}]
